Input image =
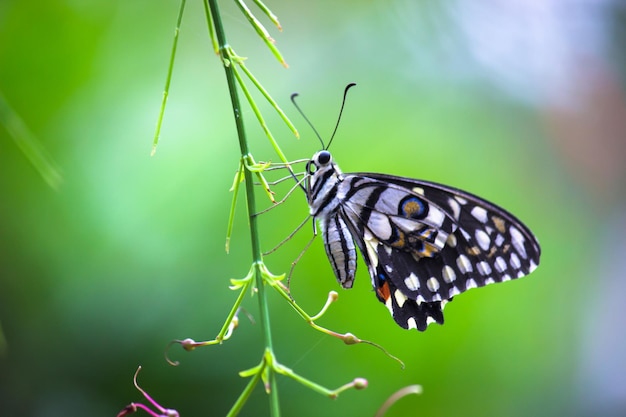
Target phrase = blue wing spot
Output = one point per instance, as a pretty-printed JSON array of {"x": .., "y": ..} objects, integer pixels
[{"x": 413, "y": 208}]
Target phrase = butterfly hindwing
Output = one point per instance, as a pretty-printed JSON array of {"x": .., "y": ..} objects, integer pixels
[{"x": 407, "y": 312}]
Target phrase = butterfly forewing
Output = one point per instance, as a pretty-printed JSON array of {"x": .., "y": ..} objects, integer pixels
[
  {"x": 423, "y": 243},
  {"x": 396, "y": 216},
  {"x": 488, "y": 245}
]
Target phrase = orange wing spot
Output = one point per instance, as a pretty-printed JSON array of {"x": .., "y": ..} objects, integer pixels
[
  {"x": 427, "y": 233},
  {"x": 383, "y": 291},
  {"x": 428, "y": 250},
  {"x": 499, "y": 223},
  {"x": 400, "y": 241},
  {"x": 410, "y": 208},
  {"x": 473, "y": 251}
]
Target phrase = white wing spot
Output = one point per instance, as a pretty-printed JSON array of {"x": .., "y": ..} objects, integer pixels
[
  {"x": 464, "y": 264},
  {"x": 448, "y": 274},
  {"x": 470, "y": 284},
  {"x": 371, "y": 244},
  {"x": 454, "y": 291},
  {"x": 518, "y": 241},
  {"x": 411, "y": 323},
  {"x": 430, "y": 320},
  {"x": 418, "y": 190},
  {"x": 484, "y": 268},
  {"x": 499, "y": 240},
  {"x": 432, "y": 284},
  {"x": 479, "y": 214},
  {"x": 500, "y": 264},
  {"x": 455, "y": 207},
  {"x": 532, "y": 266},
  {"x": 441, "y": 239},
  {"x": 435, "y": 216},
  {"x": 461, "y": 200},
  {"x": 400, "y": 298},
  {"x": 412, "y": 282},
  {"x": 378, "y": 223},
  {"x": 506, "y": 277},
  {"x": 483, "y": 239},
  {"x": 515, "y": 263},
  {"x": 489, "y": 281},
  {"x": 451, "y": 241}
]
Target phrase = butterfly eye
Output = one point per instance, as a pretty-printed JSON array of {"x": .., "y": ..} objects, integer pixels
[{"x": 323, "y": 157}]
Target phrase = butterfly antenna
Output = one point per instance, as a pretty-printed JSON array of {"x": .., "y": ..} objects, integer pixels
[
  {"x": 343, "y": 102},
  {"x": 293, "y": 100}
]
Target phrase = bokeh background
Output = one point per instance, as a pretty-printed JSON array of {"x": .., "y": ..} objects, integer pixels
[{"x": 520, "y": 102}]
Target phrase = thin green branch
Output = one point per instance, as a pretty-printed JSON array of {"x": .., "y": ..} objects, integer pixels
[
  {"x": 347, "y": 338},
  {"x": 239, "y": 177},
  {"x": 233, "y": 58},
  {"x": 245, "y": 394},
  {"x": 358, "y": 383},
  {"x": 270, "y": 365},
  {"x": 257, "y": 169},
  {"x": 258, "y": 26},
  {"x": 258, "y": 114},
  {"x": 209, "y": 18},
  {"x": 262, "y": 32},
  {"x": 269, "y": 14},
  {"x": 396, "y": 396},
  {"x": 273, "y": 103},
  {"x": 168, "y": 79}
]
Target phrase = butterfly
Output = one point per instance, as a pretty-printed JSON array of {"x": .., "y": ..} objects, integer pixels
[{"x": 423, "y": 242}]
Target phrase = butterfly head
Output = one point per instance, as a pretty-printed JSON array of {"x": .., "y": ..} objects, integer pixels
[
  {"x": 321, "y": 160},
  {"x": 321, "y": 165},
  {"x": 323, "y": 176}
]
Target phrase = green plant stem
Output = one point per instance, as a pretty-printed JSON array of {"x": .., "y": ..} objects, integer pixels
[{"x": 250, "y": 199}]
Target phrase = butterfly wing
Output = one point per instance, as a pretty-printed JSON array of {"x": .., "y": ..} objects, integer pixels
[{"x": 424, "y": 243}]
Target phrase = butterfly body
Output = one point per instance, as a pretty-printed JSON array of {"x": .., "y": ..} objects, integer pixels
[{"x": 423, "y": 243}]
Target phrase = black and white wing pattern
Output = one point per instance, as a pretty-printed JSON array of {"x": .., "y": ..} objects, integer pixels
[{"x": 423, "y": 243}]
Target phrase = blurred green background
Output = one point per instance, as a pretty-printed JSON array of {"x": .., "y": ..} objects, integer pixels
[{"x": 519, "y": 102}]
